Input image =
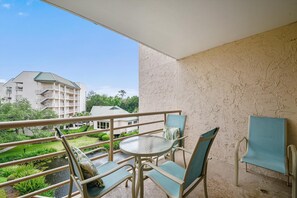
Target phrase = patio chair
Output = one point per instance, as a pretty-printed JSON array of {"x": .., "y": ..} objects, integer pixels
[
  {"x": 110, "y": 173},
  {"x": 177, "y": 121},
  {"x": 266, "y": 147},
  {"x": 177, "y": 181}
]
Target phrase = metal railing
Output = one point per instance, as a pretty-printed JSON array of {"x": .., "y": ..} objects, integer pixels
[{"x": 52, "y": 122}]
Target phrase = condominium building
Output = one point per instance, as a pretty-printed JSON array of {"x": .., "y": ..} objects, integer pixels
[{"x": 45, "y": 90}]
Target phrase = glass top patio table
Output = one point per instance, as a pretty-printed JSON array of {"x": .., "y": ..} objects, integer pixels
[{"x": 146, "y": 146}]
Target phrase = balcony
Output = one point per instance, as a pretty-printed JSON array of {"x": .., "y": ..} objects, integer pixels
[
  {"x": 220, "y": 174},
  {"x": 114, "y": 154}
]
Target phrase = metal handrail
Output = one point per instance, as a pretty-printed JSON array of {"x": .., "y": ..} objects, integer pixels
[{"x": 31, "y": 123}]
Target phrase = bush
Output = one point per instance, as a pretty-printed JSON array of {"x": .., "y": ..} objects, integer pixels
[
  {"x": 12, "y": 137},
  {"x": 2, "y": 193},
  {"x": 106, "y": 146},
  {"x": 17, "y": 156},
  {"x": 81, "y": 129},
  {"x": 28, "y": 186},
  {"x": 41, "y": 134},
  {"x": 105, "y": 137},
  {"x": 129, "y": 134}
]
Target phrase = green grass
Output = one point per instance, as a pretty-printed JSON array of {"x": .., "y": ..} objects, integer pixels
[
  {"x": 3, "y": 179},
  {"x": 2, "y": 193},
  {"x": 36, "y": 148}
]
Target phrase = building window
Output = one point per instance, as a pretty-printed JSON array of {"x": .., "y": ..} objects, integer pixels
[
  {"x": 129, "y": 123},
  {"x": 19, "y": 86},
  {"x": 103, "y": 125},
  {"x": 135, "y": 122}
]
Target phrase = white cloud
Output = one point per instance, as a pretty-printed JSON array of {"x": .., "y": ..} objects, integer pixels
[
  {"x": 22, "y": 14},
  {"x": 112, "y": 91},
  {"x": 3, "y": 80},
  {"x": 6, "y": 5},
  {"x": 29, "y": 2}
]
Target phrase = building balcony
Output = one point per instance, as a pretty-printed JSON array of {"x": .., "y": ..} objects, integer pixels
[{"x": 220, "y": 174}]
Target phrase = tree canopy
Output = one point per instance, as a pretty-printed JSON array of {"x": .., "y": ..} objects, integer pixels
[
  {"x": 129, "y": 104},
  {"x": 22, "y": 110}
]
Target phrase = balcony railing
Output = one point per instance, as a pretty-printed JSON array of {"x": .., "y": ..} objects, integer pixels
[{"x": 157, "y": 117}]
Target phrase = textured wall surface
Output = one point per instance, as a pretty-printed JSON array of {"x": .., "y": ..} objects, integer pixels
[{"x": 224, "y": 85}]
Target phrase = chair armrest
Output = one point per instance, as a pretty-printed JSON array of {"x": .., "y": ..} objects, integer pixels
[
  {"x": 179, "y": 139},
  {"x": 105, "y": 174},
  {"x": 237, "y": 146},
  {"x": 97, "y": 149},
  {"x": 161, "y": 171}
]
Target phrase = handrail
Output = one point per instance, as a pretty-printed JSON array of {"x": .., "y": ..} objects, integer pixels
[
  {"x": 31, "y": 123},
  {"x": 42, "y": 122},
  {"x": 52, "y": 139}
]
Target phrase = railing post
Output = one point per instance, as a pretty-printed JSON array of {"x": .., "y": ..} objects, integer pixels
[
  {"x": 165, "y": 118},
  {"x": 111, "y": 140}
]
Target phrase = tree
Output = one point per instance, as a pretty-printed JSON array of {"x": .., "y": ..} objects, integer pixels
[
  {"x": 22, "y": 110},
  {"x": 130, "y": 104},
  {"x": 122, "y": 93}
]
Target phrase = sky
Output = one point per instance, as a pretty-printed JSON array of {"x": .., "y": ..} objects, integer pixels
[{"x": 35, "y": 36}]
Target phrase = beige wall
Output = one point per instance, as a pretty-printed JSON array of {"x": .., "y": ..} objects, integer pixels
[{"x": 223, "y": 86}]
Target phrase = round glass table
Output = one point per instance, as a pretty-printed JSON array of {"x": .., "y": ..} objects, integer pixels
[{"x": 145, "y": 146}]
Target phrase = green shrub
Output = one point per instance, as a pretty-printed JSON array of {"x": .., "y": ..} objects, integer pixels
[
  {"x": 129, "y": 134},
  {"x": 105, "y": 137},
  {"x": 41, "y": 134},
  {"x": 28, "y": 186},
  {"x": 12, "y": 137},
  {"x": 106, "y": 146},
  {"x": 17, "y": 156},
  {"x": 81, "y": 129}
]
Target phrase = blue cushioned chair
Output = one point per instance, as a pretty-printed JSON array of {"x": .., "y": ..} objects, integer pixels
[
  {"x": 266, "y": 145},
  {"x": 111, "y": 173},
  {"x": 177, "y": 121},
  {"x": 177, "y": 181}
]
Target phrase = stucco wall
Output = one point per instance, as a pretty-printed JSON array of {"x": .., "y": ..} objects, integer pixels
[{"x": 224, "y": 85}]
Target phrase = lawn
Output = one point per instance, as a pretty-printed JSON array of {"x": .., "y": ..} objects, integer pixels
[{"x": 78, "y": 142}]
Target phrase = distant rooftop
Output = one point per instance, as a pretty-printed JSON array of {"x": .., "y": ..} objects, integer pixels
[
  {"x": 110, "y": 110},
  {"x": 51, "y": 77}
]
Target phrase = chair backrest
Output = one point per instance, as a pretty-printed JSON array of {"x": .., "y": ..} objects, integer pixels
[
  {"x": 177, "y": 121},
  {"x": 198, "y": 159},
  {"x": 268, "y": 138},
  {"x": 73, "y": 163}
]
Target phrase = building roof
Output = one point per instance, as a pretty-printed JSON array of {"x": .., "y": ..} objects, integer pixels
[
  {"x": 51, "y": 77},
  {"x": 110, "y": 110}
]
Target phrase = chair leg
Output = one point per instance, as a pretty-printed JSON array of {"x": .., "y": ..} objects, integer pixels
[
  {"x": 126, "y": 184},
  {"x": 246, "y": 168},
  {"x": 157, "y": 161},
  {"x": 205, "y": 187},
  {"x": 70, "y": 188},
  {"x": 236, "y": 170},
  {"x": 184, "y": 156}
]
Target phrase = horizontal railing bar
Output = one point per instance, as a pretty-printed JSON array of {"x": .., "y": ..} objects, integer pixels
[
  {"x": 47, "y": 172},
  {"x": 140, "y": 124},
  {"x": 125, "y": 160},
  {"x": 45, "y": 189},
  {"x": 51, "y": 139},
  {"x": 42, "y": 122},
  {"x": 55, "y": 154}
]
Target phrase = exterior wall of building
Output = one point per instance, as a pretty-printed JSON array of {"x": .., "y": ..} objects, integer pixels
[
  {"x": 224, "y": 85},
  {"x": 64, "y": 100}
]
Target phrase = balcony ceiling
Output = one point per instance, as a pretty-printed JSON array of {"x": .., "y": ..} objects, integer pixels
[{"x": 181, "y": 28}]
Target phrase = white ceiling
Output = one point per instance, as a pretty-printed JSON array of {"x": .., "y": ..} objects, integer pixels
[{"x": 180, "y": 28}]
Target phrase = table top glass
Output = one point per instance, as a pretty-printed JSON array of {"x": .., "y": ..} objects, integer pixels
[{"x": 146, "y": 145}]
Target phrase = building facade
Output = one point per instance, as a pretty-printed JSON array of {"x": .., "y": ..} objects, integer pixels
[{"x": 45, "y": 90}]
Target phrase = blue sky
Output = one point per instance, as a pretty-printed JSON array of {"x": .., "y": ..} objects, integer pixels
[{"x": 35, "y": 36}]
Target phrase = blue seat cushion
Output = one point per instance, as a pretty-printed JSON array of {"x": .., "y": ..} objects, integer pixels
[
  {"x": 268, "y": 161},
  {"x": 170, "y": 187},
  {"x": 111, "y": 180}
]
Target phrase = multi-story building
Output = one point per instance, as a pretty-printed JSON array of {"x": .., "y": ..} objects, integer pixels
[{"x": 45, "y": 90}]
